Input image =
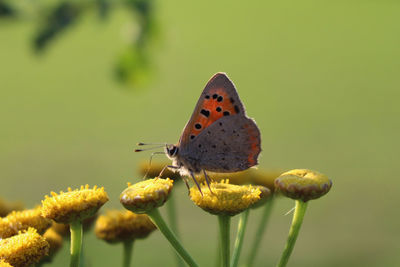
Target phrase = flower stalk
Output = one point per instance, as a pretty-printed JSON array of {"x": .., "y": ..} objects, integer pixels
[
  {"x": 128, "y": 247},
  {"x": 262, "y": 226},
  {"x": 240, "y": 237},
  {"x": 76, "y": 242},
  {"x": 298, "y": 216},
  {"x": 224, "y": 230},
  {"x": 171, "y": 210},
  {"x": 157, "y": 219}
]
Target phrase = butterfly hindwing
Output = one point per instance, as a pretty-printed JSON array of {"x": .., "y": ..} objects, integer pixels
[
  {"x": 218, "y": 99},
  {"x": 232, "y": 144}
]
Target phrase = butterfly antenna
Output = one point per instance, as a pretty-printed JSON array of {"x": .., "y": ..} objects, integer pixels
[
  {"x": 149, "y": 144},
  {"x": 150, "y": 160},
  {"x": 149, "y": 148}
]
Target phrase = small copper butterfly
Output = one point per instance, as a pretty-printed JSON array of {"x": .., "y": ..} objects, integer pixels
[{"x": 219, "y": 137}]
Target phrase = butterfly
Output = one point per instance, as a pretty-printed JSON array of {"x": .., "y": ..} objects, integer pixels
[{"x": 218, "y": 137}]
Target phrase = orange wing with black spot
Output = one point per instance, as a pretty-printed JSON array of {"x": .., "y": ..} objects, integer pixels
[{"x": 218, "y": 99}]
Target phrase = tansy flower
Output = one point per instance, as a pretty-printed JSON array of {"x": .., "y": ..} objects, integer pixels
[
  {"x": 119, "y": 226},
  {"x": 225, "y": 198},
  {"x": 303, "y": 184},
  {"x": 7, "y": 207},
  {"x": 146, "y": 195},
  {"x": 22, "y": 220},
  {"x": 74, "y": 204},
  {"x": 73, "y": 207},
  {"x": 23, "y": 249},
  {"x": 155, "y": 169}
]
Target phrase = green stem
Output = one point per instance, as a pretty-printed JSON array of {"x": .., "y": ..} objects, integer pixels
[
  {"x": 128, "y": 245},
  {"x": 155, "y": 216},
  {"x": 76, "y": 242},
  {"x": 224, "y": 230},
  {"x": 297, "y": 220},
  {"x": 171, "y": 210},
  {"x": 240, "y": 237},
  {"x": 260, "y": 231}
]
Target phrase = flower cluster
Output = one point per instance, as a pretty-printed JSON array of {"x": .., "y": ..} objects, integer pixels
[
  {"x": 22, "y": 220},
  {"x": 35, "y": 235},
  {"x": 24, "y": 249}
]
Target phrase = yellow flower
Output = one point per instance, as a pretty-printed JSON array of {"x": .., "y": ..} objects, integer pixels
[
  {"x": 4, "y": 264},
  {"x": 74, "y": 205},
  {"x": 54, "y": 239},
  {"x": 146, "y": 195},
  {"x": 7, "y": 207},
  {"x": 22, "y": 220},
  {"x": 225, "y": 198},
  {"x": 155, "y": 169},
  {"x": 303, "y": 184},
  {"x": 23, "y": 249},
  {"x": 118, "y": 226}
]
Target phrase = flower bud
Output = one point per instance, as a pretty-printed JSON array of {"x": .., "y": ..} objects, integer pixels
[
  {"x": 303, "y": 184},
  {"x": 146, "y": 195}
]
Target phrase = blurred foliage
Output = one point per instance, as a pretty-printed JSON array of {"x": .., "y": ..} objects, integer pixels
[{"x": 52, "y": 20}]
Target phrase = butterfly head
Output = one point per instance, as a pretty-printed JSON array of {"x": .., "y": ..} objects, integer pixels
[{"x": 171, "y": 151}]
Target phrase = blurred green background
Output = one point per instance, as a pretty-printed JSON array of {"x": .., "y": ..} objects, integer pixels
[{"x": 321, "y": 78}]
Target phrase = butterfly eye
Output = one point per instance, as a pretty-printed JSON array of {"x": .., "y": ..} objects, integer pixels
[{"x": 172, "y": 150}]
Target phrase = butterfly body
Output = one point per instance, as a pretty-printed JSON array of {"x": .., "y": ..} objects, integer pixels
[{"x": 219, "y": 137}]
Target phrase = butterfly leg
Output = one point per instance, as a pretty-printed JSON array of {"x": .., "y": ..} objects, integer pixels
[
  {"x": 195, "y": 181},
  {"x": 207, "y": 181},
  {"x": 165, "y": 167}
]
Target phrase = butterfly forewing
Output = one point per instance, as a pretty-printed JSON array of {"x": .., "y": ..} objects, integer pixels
[{"x": 219, "y": 99}]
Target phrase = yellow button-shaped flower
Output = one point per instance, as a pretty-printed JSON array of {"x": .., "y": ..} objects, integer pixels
[
  {"x": 303, "y": 184},
  {"x": 225, "y": 198},
  {"x": 146, "y": 195},
  {"x": 23, "y": 249},
  {"x": 119, "y": 226},
  {"x": 74, "y": 205},
  {"x": 21, "y": 220}
]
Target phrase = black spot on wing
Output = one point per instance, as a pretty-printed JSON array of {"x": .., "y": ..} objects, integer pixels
[
  {"x": 218, "y": 109},
  {"x": 237, "y": 109},
  {"x": 215, "y": 96},
  {"x": 226, "y": 113},
  {"x": 205, "y": 112},
  {"x": 197, "y": 126},
  {"x": 207, "y": 97},
  {"x": 220, "y": 98}
]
